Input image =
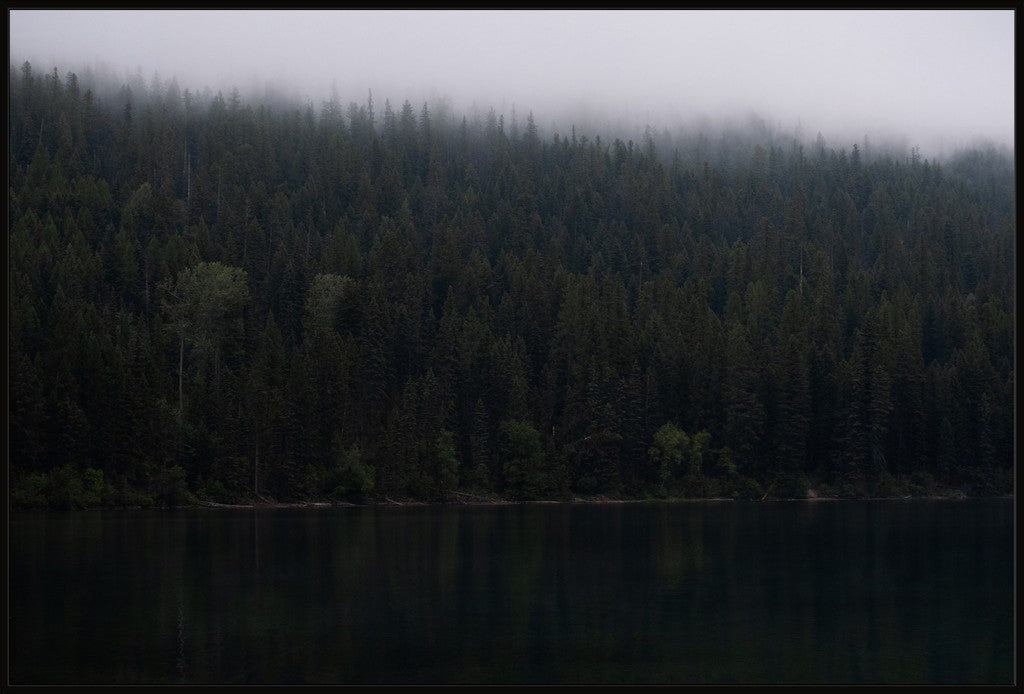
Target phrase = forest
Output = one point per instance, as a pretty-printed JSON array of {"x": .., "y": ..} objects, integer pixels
[{"x": 228, "y": 300}]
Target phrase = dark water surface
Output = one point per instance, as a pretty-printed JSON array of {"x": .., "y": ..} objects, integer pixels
[{"x": 728, "y": 592}]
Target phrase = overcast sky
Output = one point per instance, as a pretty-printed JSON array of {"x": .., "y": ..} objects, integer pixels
[{"x": 936, "y": 77}]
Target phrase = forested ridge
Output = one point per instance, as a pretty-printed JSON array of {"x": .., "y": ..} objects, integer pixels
[{"x": 222, "y": 299}]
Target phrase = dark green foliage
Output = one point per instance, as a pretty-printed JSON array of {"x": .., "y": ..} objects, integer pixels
[
  {"x": 350, "y": 478},
  {"x": 66, "y": 488},
  {"x": 669, "y": 453},
  {"x": 260, "y": 301},
  {"x": 523, "y": 455}
]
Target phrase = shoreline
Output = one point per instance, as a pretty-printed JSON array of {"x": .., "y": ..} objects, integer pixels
[
  {"x": 476, "y": 500},
  {"x": 482, "y": 501}
]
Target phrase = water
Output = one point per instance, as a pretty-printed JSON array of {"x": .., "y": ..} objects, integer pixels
[{"x": 727, "y": 592}]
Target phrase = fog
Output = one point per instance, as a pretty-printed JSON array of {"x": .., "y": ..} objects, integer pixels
[{"x": 936, "y": 79}]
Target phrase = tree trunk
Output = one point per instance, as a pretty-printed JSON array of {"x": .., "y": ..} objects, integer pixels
[{"x": 181, "y": 369}]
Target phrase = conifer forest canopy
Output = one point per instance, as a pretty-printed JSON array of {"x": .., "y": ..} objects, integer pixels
[{"x": 231, "y": 299}]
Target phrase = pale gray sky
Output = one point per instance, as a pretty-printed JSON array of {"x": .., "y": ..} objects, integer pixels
[{"x": 942, "y": 76}]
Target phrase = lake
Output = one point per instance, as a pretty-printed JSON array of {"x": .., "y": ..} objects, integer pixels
[{"x": 915, "y": 591}]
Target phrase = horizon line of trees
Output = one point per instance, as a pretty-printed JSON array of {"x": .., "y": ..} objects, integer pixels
[{"x": 233, "y": 301}]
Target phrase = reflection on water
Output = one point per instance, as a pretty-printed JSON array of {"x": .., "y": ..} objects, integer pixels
[{"x": 864, "y": 592}]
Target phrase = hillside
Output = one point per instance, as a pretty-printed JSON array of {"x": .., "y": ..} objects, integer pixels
[{"x": 222, "y": 300}]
